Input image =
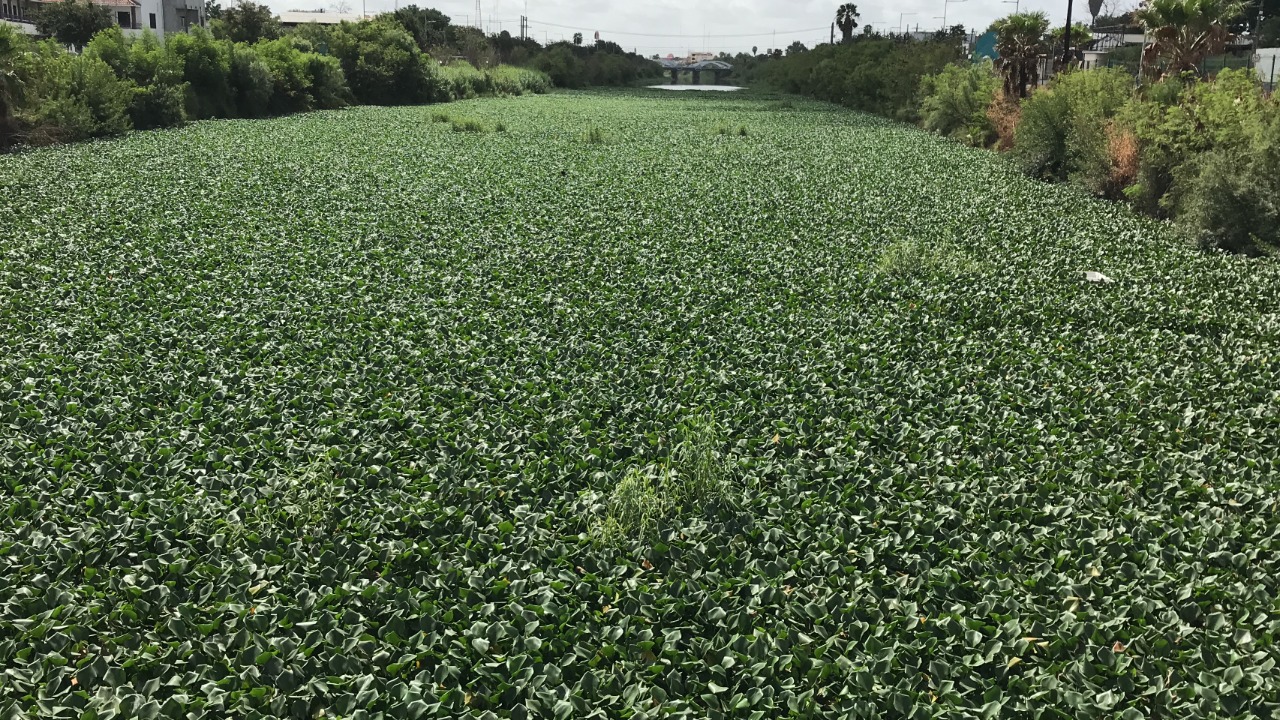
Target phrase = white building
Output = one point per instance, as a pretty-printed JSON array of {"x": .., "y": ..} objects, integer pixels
[
  {"x": 1267, "y": 61},
  {"x": 294, "y": 18},
  {"x": 132, "y": 16}
]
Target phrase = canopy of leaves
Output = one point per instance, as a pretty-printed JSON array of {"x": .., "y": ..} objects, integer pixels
[
  {"x": 246, "y": 22},
  {"x": 73, "y": 22},
  {"x": 873, "y": 74},
  {"x": 1185, "y": 32},
  {"x": 314, "y": 417},
  {"x": 1019, "y": 44},
  {"x": 429, "y": 27},
  {"x": 847, "y": 19}
]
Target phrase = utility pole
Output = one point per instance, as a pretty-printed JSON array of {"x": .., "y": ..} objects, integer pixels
[
  {"x": 1066, "y": 40},
  {"x": 833, "y": 33},
  {"x": 901, "y": 27}
]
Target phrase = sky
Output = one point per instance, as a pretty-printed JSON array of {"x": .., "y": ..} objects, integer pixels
[{"x": 669, "y": 26}]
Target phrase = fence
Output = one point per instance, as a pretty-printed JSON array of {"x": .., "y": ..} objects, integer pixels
[{"x": 1267, "y": 71}]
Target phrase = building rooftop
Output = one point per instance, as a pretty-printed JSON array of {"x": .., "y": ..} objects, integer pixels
[{"x": 301, "y": 17}]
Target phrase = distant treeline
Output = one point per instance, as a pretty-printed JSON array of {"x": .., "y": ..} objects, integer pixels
[
  {"x": 873, "y": 73},
  {"x": 245, "y": 65}
]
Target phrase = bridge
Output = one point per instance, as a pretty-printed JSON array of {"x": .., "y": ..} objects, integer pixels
[{"x": 719, "y": 69}]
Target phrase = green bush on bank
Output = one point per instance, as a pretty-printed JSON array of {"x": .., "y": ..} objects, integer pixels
[
  {"x": 1063, "y": 131},
  {"x": 49, "y": 96},
  {"x": 1203, "y": 152},
  {"x": 954, "y": 103}
]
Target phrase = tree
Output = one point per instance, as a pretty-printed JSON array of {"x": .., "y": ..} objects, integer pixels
[
  {"x": 847, "y": 20},
  {"x": 12, "y": 50},
  {"x": 504, "y": 44},
  {"x": 755, "y": 50},
  {"x": 1095, "y": 7},
  {"x": 1123, "y": 22},
  {"x": 796, "y": 48},
  {"x": 1079, "y": 35},
  {"x": 1269, "y": 33},
  {"x": 1019, "y": 43},
  {"x": 247, "y": 22},
  {"x": 428, "y": 27},
  {"x": 73, "y": 22},
  {"x": 212, "y": 10},
  {"x": 577, "y": 38},
  {"x": 1185, "y": 32}
]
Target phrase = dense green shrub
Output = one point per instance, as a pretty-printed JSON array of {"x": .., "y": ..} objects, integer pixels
[
  {"x": 328, "y": 84},
  {"x": 1227, "y": 205},
  {"x": 159, "y": 98},
  {"x": 1182, "y": 119},
  {"x": 954, "y": 102},
  {"x": 209, "y": 75},
  {"x": 510, "y": 80},
  {"x": 462, "y": 80},
  {"x": 158, "y": 106},
  {"x": 875, "y": 75},
  {"x": 206, "y": 68},
  {"x": 75, "y": 97},
  {"x": 1063, "y": 131},
  {"x": 604, "y": 64},
  {"x": 290, "y": 76},
  {"x": 252, "y": 82},
  {"x": 246, "y": 22},
  {"x": 383, "y": 64},
  {"x": 14, "y": 64},
  {"x": 562, "y": 66},
  {"x": 1230, "y": 198}
]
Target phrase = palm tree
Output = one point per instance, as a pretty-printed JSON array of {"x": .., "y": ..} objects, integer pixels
[
  {"x": 847, "y": 20},
  {"x": 1020, "y": 43},
  {"x": 1095, "y": 7},
  {"x": 1185, "y": 32}
]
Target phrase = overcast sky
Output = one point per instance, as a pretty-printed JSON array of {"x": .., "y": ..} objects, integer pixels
[{"x": 668, "y": 26}]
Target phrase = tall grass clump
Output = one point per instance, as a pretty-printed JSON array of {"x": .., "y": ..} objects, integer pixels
[
  {"x": 463, "y": 81},
  {"x": 914, "y": 258},
  {"x": 511, "y": 80},
  {"x": 470, "y": 125},
  {"x": 696, "y": 477},
  {"x": 740, "y": 131},
  {"x": 593, "y": 136}
]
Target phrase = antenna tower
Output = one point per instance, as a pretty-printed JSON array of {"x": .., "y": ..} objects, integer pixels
[{"x": 478, "y": 23}]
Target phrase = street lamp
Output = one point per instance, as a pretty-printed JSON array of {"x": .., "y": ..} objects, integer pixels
[
  {"x": 945, "y": 3},
  {"x": 1016, "y": 4}
]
